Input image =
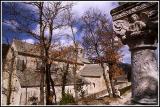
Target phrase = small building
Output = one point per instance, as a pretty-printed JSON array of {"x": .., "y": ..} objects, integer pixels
[{"x": 93, "y": 73}]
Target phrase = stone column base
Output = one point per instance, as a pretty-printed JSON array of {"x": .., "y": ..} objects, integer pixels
[{"x": 144, "y": 101}]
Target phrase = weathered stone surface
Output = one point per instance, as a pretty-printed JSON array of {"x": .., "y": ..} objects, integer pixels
[
  {"x": 136, "y": 24},
  {"x": 144, "y": 75}
]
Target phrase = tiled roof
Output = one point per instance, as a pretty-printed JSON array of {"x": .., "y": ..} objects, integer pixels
[
  {"x": 94, "y": 70},
  {"x": 33, "y": 49},
  {"x": 82, "y": 60},
  {"x": 25, "y": 47}
]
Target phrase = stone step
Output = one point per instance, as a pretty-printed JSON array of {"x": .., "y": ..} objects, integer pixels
[
  {"x": 123, "y": 85},
  {"x": 122, "y": 88}
]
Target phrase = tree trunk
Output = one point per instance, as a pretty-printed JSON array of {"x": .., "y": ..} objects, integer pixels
[
  {"x": 48, "y": 101},
  {"x": 75, "y": 56},
  {"x": 53, "y": 88},
  {"x": 106, "y": 81},
  {"x": 64, "y": 80},
  {"x": 48, "y": 77},
  {"x": 9, "y": 89},
  {"x": 11, "y": 69},
  {"x": 52, "y": 84},
  {"x": 26, "y": 96},
  {"x": 42, "y": 55},
  {"x": 113, "y": 88},
  {"x": 111, "y": 80},
  {"x": 42, "y": 73},
  {"x": 42, "y": 87},
  {"x": 75, "y": 83}
]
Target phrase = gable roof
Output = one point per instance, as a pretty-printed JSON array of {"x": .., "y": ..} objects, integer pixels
[
  {"x": 95, "y": 70},
  {"x": 91, "y": 70},
  {"x": 25, "y": 47},
  {"x": 34, "y": 50}
]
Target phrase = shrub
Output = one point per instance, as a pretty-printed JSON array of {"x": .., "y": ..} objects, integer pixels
[
  {"x": 67, "y": 99},
  {"x": 82, "y": 93}
]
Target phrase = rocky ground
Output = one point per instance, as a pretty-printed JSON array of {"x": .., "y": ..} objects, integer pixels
[{"x": 125, "y": 100}]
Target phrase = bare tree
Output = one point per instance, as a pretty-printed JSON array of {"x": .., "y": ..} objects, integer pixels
[
  {"x": 49, "y": 18},
  {"x": 64, "y": 79},
  {"x": 53, "y": 10},
  {"x": 71, "y": 21},
  {"x": 97, "y": 40}
]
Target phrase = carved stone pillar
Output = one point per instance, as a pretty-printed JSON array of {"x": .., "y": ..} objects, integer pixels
[{"x": 136, "y": 24}]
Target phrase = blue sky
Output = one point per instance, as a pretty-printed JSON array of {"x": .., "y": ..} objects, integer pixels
[{"x": 79, "y": 9}]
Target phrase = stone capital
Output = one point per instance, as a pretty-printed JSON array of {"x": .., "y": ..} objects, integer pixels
[{"x": 136, "y": 24}]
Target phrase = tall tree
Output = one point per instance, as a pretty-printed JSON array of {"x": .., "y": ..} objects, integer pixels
[
  {"x": 111, "y": 55},
  {"x": 49, "y": 17},
  {"x": 98, "y": 41},
  {"x": 22, "y": 20},
  {"x": 71, "y": 21},
  {"x": 65, "y": 54}
]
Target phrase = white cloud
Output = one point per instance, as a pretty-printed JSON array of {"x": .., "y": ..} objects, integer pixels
[
  {"x": 36, "y": 29},
  {"x": 11, "y": 23},
  {"x": 29, "y": 6},
  {"x": 66, "y": 42},
  {"x": 65, "y": 35},
  {"x": 66, "y": 30},
  {"x": 104, "y": 6},
  {"x": 126, "y": 54},
  {"x": 29, "y": 40},
  {"x": 58, "y": 33},
  {"x": 79, "y": 8}
]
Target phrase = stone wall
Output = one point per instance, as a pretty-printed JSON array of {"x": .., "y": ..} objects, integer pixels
[
  {"x": 35, "y": 91},
  {"x": 96, "y": 85}
]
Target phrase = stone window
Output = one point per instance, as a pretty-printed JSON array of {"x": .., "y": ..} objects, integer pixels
[
  {"x": 39, "y": 65},
  {"x": 94, "y": 85},
  {"x": 21, "y": 64},
  {"x": 4, "y": 91},
  {"x": 52, "y": 68}
]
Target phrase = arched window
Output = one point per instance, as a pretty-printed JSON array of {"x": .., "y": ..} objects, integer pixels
[{"x": 94, "y": 85}]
